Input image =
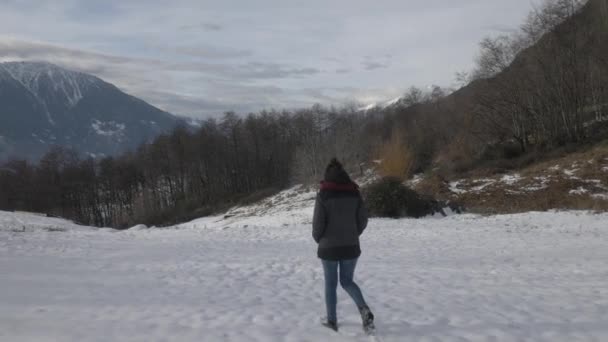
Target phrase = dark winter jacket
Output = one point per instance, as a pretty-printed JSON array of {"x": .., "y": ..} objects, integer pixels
[{"x": 340, "y": 217}]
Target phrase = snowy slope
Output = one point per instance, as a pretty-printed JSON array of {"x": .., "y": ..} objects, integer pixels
[
  {"x": 381, "y": 105},
  {"x": 528, "y": 277},
  {"x": 29, "y": 222},
  {"x": 68, "y": 86},
  {"x": 290, "y": 206}
]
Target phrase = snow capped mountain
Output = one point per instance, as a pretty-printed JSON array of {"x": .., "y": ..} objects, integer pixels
[
  {"x": 42, "y": 104},
  {"x": 381, "y": 105},
  {"x": 392, "y": 102},
  {"x": 368, "y": 107},
  {"x": 65, "y": 85}
]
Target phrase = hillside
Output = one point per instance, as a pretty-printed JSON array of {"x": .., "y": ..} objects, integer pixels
[
  {"x": 549, "y": 95},
  {"x": 43, "y": 105},
  {"x": 575, "y": 180}
]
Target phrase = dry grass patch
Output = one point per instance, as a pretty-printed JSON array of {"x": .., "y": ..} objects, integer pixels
[{"x": 577, "y": 180}]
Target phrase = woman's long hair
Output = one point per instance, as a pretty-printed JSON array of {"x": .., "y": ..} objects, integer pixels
[{"x": 335, "y": 173}]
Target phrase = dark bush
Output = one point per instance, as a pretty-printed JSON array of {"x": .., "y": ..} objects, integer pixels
[
  {"x": 504, "y": 150},
  {"x": 390, "y": 198}
]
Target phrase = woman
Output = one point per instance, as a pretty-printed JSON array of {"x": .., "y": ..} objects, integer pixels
[{"x": 339, "y": 219}]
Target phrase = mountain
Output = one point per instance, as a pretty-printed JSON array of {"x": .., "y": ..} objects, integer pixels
[
  {"x": 381, "y": 105},
  {"x": 42, "y": 105}
]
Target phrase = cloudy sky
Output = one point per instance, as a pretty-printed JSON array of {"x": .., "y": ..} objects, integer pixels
[{"x": 200, "y": 58}]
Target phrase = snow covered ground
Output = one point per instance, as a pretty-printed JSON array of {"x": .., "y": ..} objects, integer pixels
[{"x": 527, "y": 277}]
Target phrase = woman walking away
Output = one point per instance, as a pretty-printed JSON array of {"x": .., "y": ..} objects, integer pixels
[{"x": 339, "y": 219}]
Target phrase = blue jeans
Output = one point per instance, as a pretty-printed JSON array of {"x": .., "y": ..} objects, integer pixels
[{"x": 347, "y": 271}]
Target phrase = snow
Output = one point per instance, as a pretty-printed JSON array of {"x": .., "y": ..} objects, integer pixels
[
  {"x": 382, "y": 105},
  {"x": 369, "y": 177},
  {"x": 478, "y": 185},
  {"x": 455, "y": 189},
  {"x": 368, "y": 107},
  {"x": 483, "y": 183},
  {"x": 533, "y": 277},
  {"x": 32, "y": 222},
  {"x": 578, "y": 191},
  {"x": 68, "y": 85},
  {"x": 511, "y": 179},
  {"x": 415, "y": 180},
  {"x": 4, "y": 75},
  {"x": 543, "y": 184},
  {"x": 516, "y": 183},
  {"x": 108, "y": 129},
  {"x": 287, "y": 207},
  {"x": 391, "y": 102},
  {"x": 600, "y": 196}
]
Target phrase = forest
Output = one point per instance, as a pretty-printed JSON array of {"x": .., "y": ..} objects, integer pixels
[{"x": 537, "y": 89}]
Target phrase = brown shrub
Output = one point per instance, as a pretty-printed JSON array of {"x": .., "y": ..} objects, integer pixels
[{"x": 397, "y": 159}]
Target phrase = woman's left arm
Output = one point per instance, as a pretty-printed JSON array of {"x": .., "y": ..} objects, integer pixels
[{"x": 318, "y": 220}]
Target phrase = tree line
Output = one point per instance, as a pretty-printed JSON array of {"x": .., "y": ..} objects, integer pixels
[
  {"x": 540, "y": 87},
  {"x": 188, "y": 172}
]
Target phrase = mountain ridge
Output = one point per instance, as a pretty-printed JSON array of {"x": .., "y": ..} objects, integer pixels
[{"x": 42, "y": 104}]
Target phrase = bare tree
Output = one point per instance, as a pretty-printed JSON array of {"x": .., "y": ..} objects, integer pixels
[
  {"x": 496, "y": 54},
  {"x": 547, "y": 100},
  {"x": 414, "y": 96}
]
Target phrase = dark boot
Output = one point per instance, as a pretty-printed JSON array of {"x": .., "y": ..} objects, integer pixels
[
  {"x": 367, "y": 319},
  {"x": 330, "y": 324}
]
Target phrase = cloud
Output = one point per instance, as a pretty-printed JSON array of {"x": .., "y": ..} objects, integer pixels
[
  {"x": 204, "y": 26},
  {"x": 219, "y": 97},
  {"x": 12, "y": 48},
  {"x": 224, "y": 85},
  {"x": 370, "y": 65},
  {"x": 199, "y": 57},
  {"x": 94, "y": 62},
  {"x": 244, "y": 72},
  {"x": 192, "y": 105},
  {"x": 212, "y": 52},
  {"x": 273, "y": 70}
]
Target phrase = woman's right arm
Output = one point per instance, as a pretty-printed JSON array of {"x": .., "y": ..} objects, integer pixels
[{"x": 361, "y": 216}]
